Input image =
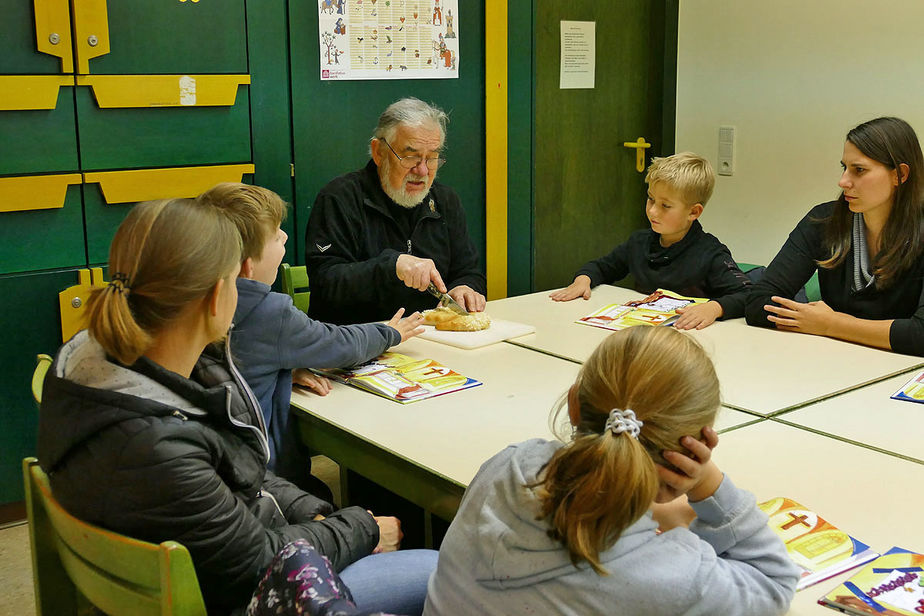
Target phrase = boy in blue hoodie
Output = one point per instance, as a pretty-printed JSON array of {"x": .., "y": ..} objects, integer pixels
[{"x": 274, "y": 342}]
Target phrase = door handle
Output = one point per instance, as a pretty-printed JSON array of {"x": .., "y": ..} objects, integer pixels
[{"x": 640, "y": 146}]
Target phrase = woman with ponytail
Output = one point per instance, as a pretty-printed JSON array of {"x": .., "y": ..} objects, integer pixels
[
  {"x": 147, "y": 428},
  {"x": 548, "y": 527}
]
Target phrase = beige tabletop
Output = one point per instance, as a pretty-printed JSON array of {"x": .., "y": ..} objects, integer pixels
[
  {"x": 870, "y": 495},
  {"x": 760, "y": 370},
  {"x": 868, "y": 415}
]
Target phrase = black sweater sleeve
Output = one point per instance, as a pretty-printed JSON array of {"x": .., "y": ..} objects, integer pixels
[
  {"x": 907, "y": 335},
  {"x": 790, "y": 269},
  {"x": 607, "y": 269},
  {"x": 727, "y": 284}
]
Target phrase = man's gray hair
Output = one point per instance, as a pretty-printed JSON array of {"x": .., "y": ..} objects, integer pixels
[{"x": 411, "y": 112}]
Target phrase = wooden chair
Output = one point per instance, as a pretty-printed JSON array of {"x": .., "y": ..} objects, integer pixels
[
  {"x": 72, "y": 559},
  {"x": 43, "y": 363},
  {"x": 294, "y": 282}
]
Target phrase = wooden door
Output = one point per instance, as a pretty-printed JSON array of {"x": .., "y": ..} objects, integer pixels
[{"x": 588, "y": 195}]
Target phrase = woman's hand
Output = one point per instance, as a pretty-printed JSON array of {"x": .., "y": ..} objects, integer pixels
[
  {"x": 579, "y": 288},
  {"x": 390, "y": 534},
  {"x": 699, "y": 477},
  {"x": 698, "y": 316},
  {"x": 811, "y": 318},
  {"x": 306, "y": 378},
  {"x": 408, "y": 327}
]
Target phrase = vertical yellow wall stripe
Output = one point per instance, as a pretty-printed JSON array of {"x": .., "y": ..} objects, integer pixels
[{"x": 495, "y": 111}]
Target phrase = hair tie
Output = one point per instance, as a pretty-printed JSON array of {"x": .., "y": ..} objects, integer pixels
[
  {"x": 624, "y": 421},
  {"x": 119, "y": 282}
]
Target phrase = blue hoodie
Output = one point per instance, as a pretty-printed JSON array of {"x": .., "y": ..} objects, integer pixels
[{"x": 272, "y": 337}]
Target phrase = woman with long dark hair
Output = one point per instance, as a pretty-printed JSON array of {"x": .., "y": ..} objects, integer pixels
[{"x": 866, "y": 245}]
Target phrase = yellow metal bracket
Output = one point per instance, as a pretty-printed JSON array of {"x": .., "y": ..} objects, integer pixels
[
  {"x": 73, "y": 301},
  {"x": 27, "y": 92},
  {"x": 53, "y": 31},
  {"x": 166, "y": 183},
  {"x": 35, "y": 192},
  {"x": 640, "y": 146},
  {"x": 91, "y": 32},
  {"x": 114, "y": 91}
]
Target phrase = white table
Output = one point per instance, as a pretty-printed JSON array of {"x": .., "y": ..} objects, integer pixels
[
  {"x": 869, "y": 416},
  {"x": 760, "y": 370},
  {"x": 872, "y": 496}
]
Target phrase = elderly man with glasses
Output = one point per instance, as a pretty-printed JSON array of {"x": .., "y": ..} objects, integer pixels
[{"x": 378, "y": 237}]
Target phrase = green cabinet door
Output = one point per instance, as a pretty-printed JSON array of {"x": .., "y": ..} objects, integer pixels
[
  {"x": 30, "y": 325},
  {"x": 17, "y": 42},
  {"x": 39, "y": 140},
  {"x": 43, "y": 239},
  {"x": 162, "y": 136},
  {"x": 175, "y": 37}
]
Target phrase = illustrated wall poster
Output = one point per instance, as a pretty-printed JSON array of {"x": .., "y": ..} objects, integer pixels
[{"x": 388, "y": 39}]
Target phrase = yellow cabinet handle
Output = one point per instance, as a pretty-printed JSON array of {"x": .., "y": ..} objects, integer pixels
[
  {"x": 18, "y": 92},
  {"x": 53, "y": 31},
  {"x": 166, "y": 183},
  {"x": 91, "y": 32},
  {"x": 35, "y": 192},
  {"x": 115, "y": 91},
  {"x": 640, "y": 146}
]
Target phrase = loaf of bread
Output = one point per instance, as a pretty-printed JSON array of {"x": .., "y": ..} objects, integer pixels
[{"x": 445, "y": 319}]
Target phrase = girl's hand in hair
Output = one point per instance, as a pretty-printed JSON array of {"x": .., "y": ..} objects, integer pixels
[{"x": 698, "y": 476}]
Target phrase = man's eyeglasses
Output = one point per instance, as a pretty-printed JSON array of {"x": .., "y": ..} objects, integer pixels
[{"x": 409, "y": 162}]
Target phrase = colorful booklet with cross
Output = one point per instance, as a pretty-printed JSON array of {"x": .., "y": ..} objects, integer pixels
[
  {"x": 891, "y": 585},
  {"x": 913, "y": 390},
  {"x": 659, "y": 308},
  {"x": 818, "y": 547},
  {"x": 401, "y": 378}
]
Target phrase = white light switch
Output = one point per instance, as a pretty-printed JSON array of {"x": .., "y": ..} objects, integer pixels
[{"x": 726, "y": 150}]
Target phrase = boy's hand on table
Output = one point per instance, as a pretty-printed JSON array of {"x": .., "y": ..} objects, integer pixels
[
  {"x": 579, "y": 288},
  {"x": 698, "y": 316},
  {"x": 409, "y": 326},
  {"x": 306, "y": 378}
]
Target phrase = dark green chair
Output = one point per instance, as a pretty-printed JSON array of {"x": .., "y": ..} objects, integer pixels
[
  {"x": 294, "y": 280},
  {"x": 809, "y": 293},
  {"x": 74, "y": 562}
]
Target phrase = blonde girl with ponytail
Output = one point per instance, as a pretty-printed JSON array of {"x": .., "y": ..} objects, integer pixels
[
  {"x": 586, "y": 525},
  {"x": 147, "y": 429}
]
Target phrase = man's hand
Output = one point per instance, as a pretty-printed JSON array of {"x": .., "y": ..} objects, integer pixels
[
  {"x": 418, "y": 273},
  {"x": 306, "y": 378},
  {"x": 408, "y": 327},
  {"x": 467, "y": 297},
  {"x": 698, "y": 316},
  {"x": 579, "y": 288},
  {"x": 390, "y": 534}
]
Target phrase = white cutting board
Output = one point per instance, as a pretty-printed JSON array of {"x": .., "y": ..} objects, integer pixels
[{"x": 500, "y": 330}]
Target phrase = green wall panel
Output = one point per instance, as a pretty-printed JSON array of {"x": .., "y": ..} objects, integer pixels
[
  {"x": 17, "y": 42},
  {"x": 43, "y": 239},
  {"x": 163, "y": 136},
  {"x": 30, "y": 324},
  {"x": 332, "y": 122},
  {"x": 271, "y": 119},
  {"x": 174, "y": 38},
  {"x": 40, "y": 140}
]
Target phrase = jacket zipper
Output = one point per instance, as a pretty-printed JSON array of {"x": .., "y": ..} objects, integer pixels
[
  {"x": 409, "y": 247},
  {"x": 254, "y": 405}
]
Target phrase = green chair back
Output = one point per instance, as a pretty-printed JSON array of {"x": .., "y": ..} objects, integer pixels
[
  {"x": 811, "y": 288},
  {"x": 295, "y": 284},
  {"x": 43, "y": 363},
  {"x": 119, "y": 575}
]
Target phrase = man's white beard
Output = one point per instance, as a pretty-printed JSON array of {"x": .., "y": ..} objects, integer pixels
[{"x": 400, "y": 195}]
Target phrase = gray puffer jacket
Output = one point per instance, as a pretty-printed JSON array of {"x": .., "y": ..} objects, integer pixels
[{"x": 148, "y": 453}]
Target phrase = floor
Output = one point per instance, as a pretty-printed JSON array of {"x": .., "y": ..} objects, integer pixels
[{"x": 17, "y": 597}]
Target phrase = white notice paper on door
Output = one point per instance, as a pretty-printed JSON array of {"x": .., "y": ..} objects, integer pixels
[{"x": 578, "y": 54}]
